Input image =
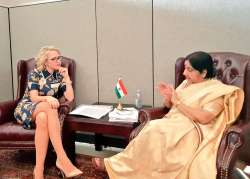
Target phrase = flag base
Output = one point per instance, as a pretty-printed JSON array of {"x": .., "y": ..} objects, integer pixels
[{"x": 119, "y": 106}]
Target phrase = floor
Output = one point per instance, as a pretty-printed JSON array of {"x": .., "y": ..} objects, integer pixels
[
  {"x": 89, "y": 149},
  {"x": 19, "y": 164}
]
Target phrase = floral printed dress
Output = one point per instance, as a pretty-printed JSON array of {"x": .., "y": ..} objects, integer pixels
[{"x": 47, "y": 85}]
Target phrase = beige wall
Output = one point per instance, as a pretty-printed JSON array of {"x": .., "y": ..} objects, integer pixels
[
  {"x": 4, "y": 3},
  {"x": 5, "y": 62},
  {"x": 125, "y": 48},
  {"x": 181, "y": 27},
  {"x": 70, "y": 26},
  {"x": 12, "y": 3},
  {"x": 132, "y": 40}
]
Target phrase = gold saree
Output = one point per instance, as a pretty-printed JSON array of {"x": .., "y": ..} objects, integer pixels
[{"x": 175, "y": 147}]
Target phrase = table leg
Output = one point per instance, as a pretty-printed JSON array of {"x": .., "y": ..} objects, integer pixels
[
  {"x": 98, "y": 142},
  {"x": 69, "y": 144}
]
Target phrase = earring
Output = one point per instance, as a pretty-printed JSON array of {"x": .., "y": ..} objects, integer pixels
[{"x": 204, "y": 75}]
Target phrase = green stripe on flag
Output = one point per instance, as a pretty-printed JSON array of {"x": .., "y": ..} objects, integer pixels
[{"x": 117, "y": 93}]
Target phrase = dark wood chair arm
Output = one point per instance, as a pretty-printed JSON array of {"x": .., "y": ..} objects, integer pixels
[
  {"x": 146, "y": 115},
  {"x": 152, "y": 113},
  {"x": 65, "y": 107},
  {"x": 234, "y": 145},
  {"x": 7, "y": 110}
]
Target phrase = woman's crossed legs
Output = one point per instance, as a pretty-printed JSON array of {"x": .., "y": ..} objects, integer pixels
[{"x": 48, "y": 127}]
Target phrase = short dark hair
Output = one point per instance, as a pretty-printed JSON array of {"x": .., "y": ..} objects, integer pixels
[{"x": 201, "y": 61}]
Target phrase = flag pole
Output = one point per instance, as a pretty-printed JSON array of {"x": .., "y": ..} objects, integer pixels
[
  {"x": 120, "y": 92},
  {"x": 119, "y": 105}
]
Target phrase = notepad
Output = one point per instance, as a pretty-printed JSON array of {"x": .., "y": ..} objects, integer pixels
[
  {"x": 93, "y": 111},
  {"x": 129, "y": 115}
]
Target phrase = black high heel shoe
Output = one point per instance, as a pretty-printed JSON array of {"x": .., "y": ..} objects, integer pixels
[{"x": 74, "y": 173}]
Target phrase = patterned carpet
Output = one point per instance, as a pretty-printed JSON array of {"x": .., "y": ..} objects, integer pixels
[{"x": 19, "y": 165}]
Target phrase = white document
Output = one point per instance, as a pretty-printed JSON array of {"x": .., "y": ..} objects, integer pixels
[
  {"x": 129, "y": 115},
  {"x": 94, "y": 111},
  {"x": 247, "y": 169}
]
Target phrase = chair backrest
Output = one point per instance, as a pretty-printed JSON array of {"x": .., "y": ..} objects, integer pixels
[
  {"x": 231, "y": 68},
  {"x": 25, "y": 66}
]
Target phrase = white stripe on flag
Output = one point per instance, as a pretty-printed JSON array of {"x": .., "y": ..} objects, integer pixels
[{"x": 120, "y": 90}]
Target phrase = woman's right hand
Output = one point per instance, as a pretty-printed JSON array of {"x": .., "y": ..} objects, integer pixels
[
  {"x": 165, "y": 89},
  {"x": 54, "y": 103}
]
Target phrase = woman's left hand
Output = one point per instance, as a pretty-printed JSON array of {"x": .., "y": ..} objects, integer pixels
[
  {"x": 165, "y": 89},
  {"x": 175, "y": 99},
  {"x": 64, "y": 72}
]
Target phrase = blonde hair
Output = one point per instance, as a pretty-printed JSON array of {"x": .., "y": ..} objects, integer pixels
[{"x": 42, "y": 56}]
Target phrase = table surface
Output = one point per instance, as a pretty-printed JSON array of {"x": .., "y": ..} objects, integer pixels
[
  {"x": 102, "y": 121},
  {"x": 101, "y": 126}
]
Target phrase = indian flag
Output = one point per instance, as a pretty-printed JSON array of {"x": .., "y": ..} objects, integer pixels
[{"x": 120, "y": 89}]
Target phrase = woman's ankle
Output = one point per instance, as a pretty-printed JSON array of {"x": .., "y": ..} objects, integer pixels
[
  {"x": 38, "y": 172},
  {"x": 98, "y": 163}
]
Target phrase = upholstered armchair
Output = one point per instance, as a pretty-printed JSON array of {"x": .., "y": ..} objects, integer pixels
[
  {"x": 12, "y": 135},
  {"x": 231, "y": 68}
]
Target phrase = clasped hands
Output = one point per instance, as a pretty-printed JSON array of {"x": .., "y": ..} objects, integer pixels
[
  {"x": 54, "y": 103},
  {"x": 169, "y": 94}
]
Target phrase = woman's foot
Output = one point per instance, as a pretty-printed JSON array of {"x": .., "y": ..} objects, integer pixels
[
  {"x": 98, "y": 164},
  {"x": 73, "y": 173}
]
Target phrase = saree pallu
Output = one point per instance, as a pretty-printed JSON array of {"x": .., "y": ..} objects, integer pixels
[{"x": 175, "y": 147}]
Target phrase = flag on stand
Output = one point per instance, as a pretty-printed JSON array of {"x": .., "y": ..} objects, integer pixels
[{"x": 120, "y": 89}]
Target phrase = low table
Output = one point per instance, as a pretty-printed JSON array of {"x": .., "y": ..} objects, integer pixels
[{"x": 99, "y": 127}]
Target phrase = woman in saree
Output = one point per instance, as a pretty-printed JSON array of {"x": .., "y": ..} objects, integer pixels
[{"x": 184, "y": 143}]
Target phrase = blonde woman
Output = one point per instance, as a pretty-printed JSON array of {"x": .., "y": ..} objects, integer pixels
[{"x": 39, "y": 106}]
